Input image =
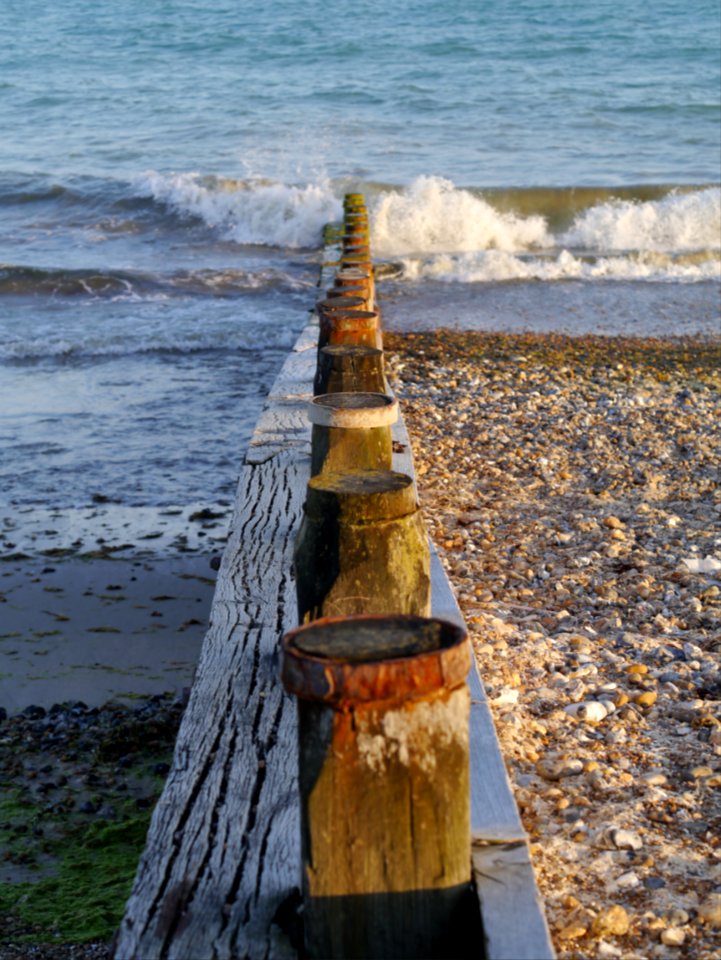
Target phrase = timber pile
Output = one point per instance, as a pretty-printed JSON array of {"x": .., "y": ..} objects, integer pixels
[{"x": 378, "y": 847}]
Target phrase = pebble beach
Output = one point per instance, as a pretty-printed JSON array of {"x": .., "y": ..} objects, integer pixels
[{"x": 573, "y": 489}]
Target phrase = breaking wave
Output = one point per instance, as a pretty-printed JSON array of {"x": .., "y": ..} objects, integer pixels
[
  {"x": 440, "y": 231},
  {"x": 248, "y": 211}
]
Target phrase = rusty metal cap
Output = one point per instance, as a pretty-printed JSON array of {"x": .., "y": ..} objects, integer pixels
[
  {"x": 353, "y": 319},
  {"x": 349, "y": 303},
  {"x": 353, "y": 410},
  {"x": 342, "y": 660}
]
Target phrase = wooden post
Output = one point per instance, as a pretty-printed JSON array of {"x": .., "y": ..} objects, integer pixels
[
  {"x": 356, "y": 327},
  {"x": 354, "y": 201},
  {"x": 352, "y": 431},
  {"x": 359, "y": 260},
  {"x": 354, "y": 280},
  {"x": 356, "y": 248},
  {"x": 350, "y": 277},
  {"x": 356, "y": 233},
  {"x": 346, "y": 369},
  {"x": 383, "y": 708},
  {"x": 362, "y": 547},
  {"x": 353, "y": 219},
  {"x": 357, "y": 291}
]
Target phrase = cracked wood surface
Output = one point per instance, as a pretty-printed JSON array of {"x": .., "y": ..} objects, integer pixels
[{"x": 223, "y": 850}]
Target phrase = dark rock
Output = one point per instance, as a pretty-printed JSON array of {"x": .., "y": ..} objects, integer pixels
[
  {"x": 206, "y": 514},
  {"x": 161, "y": 769},
  {"x": 654, "y": 883},
  {"x": 34, "y": 712},
  {"x": 87, "y": 807}
]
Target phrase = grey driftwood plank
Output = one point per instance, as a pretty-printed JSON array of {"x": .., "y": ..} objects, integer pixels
[{"x": 222, "y": 851}]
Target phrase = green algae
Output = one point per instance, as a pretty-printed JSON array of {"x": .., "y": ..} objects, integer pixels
[
  {"x": 84, "y": 898},
  {"x": 74, "y": 814}
]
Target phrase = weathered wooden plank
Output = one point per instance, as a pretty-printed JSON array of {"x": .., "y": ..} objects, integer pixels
[{"x": 223, "y": 847}]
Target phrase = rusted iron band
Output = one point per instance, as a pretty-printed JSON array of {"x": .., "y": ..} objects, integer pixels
[{"x": 311, "y": 673}]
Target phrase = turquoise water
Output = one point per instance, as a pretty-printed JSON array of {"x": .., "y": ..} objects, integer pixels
[
  {"x": 502, "y": 93},
  {"x": 166, "y": 169}
]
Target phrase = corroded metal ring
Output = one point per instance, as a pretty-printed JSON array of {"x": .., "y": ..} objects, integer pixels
[{"x": 342, "y": 660}]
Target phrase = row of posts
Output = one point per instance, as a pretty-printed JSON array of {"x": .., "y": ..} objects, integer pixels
[{"x": 381, "y": 687}]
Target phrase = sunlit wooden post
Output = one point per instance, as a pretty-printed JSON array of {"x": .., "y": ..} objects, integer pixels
[
  {"x": 344, "y": 369},
  {"x": 352, "y": 431},
  {"x": 362, "y": 547},
  {"x": 383, "y": 709}
]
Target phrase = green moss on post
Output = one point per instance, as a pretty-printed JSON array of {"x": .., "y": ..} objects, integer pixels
[
  {"x": 345, "y": 369},
  {"x": 362, "y": 547}
]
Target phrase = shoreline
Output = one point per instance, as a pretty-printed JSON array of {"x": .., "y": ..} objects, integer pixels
[
  {"x": 571, "y": 485},
  {"x": 105, "y": 601},
  {"x": 613, "y": 878},
  {"x": 611, "y": 309}
]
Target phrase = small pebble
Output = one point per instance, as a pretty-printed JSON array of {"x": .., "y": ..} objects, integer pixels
[
  {"x": 612, "y": 922},
  {"x": 626, "y": 840},
  {"x": 709, "y": 912},
  {"x": 628, "y": 880},
  {"x": 673, "y": 937},
  {"x": 654, "y": 883},
  {"x": 557, "y": 769}
]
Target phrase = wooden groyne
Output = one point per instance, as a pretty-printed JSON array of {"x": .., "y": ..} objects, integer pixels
[{"x": 221, "y": 873}]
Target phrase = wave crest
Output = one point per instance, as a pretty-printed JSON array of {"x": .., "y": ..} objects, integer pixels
[
  {"x": 677, "y": 222},
  {"x": 433, "y": 216},
  {"x": 248, "y": 211},
  {"x": 498, "y": 266}
]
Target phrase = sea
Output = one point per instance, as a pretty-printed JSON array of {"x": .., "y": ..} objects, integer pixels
[{"x": 167, "y": 167}]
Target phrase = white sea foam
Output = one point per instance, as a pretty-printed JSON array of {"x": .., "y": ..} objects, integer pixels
[
  {"x": 441, "y": 232},
  {"x": 496, "y": 265},
  {"x": 677, "y": 222},
  {"x": 248, "y": 211},
  {"x": 434, "y": 216}
]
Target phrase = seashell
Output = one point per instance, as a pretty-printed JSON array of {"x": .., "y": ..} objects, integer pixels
[{"x": 591, "y": 711}]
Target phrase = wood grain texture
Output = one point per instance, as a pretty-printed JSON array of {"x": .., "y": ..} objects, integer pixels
[{"x": 223, "y": 847}]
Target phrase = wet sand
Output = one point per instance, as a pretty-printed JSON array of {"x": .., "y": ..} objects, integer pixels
[
  {"x": 94, "y": 630},
  {"x": 105, "y": 601}
]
